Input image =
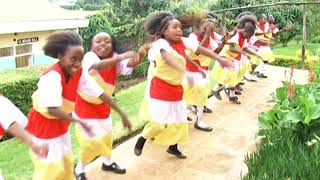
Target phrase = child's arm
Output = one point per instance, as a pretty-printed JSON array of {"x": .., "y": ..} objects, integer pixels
[
  {"x": 139, "y": 57},
  {"x": 247, "y": 50},
  {"x": 108, "y": 100},
  {"x": 196, "y": 66},
  {"x": 104, "y": 63},
  {"x": 17, "y": 131},
  {"x": 170, "y": 60},
  {"x": 226, "y": 62}
]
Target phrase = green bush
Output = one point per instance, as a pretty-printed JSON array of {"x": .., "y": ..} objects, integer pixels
[
  {"x": 287, "y": 61},
  {"x": 315, "y": 39}
]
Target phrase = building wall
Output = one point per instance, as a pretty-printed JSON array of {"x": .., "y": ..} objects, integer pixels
[{"x": 36, "y": 55}]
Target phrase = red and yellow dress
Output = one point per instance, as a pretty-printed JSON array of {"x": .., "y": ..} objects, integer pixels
[
  {"x": 265, "y": 51},
  {"x": 168, "y": 124},
  {"x": 54, "y": 90},
  {"x": 230, "y": 76},
  {"x": 196, "y": 88},
  {"x": 92, "y": 111}
]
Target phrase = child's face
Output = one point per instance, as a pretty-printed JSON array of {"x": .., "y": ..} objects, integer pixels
[
  {"x": 174, "y": 32},
  {"x": 247, "y": 34},
  {"x": 71, "y": 60},
  {"x": 271, "y": 18},
  {"x": 262, "y": 20},
  {"x": 204, "y": 27},
  {"x": 102, "y": 45}
]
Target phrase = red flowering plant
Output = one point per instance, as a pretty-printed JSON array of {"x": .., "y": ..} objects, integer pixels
[
  {"x": 291, "y": 89},
  {"x": 312, "y": 75}
]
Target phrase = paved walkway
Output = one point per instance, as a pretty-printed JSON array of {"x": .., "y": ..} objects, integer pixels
[{"x": 216, "y": 155}]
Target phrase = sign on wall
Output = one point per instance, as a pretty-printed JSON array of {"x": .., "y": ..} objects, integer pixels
[{"x": 27, "y": 40}]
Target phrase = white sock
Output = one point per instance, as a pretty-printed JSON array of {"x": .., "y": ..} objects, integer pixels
[
  {"x": 200, "y": 112},
  {"x": 107, "y": 161},
  {"x": 200, "y": 121},
  {"x": 217, "y": 87},
  {"x": 232, "y": 93},
  {"x": 260, "y": 68},
  {"x": 79, "y": 168},
  {"x": 248, "y": 75}
]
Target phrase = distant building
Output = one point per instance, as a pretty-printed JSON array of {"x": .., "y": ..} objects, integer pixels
[{"x": 25, "y": 26}]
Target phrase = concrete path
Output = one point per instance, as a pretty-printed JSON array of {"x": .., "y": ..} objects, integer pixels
[{"x": 216, "y": 155}]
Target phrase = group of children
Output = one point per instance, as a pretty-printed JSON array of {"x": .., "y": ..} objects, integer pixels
[{"x": 78, "y": 89}]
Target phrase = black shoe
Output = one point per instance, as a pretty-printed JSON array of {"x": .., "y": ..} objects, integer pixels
[
  {"x": 207, "y": 110},
  {"x": 81, "y": 176},
  {"x": 114, "y": 167},
  {"x": 239, "y": 88},
  {"x": 238, "y": 92},
  {"x": 234, "y": 100},
  {"x": 174, "y": 151},
  {"x": 207, "y": 128},
  {"x": 241, "y": 83},
  {"x": 139, "y": 146},
  {"x": 261, "y": 75},
  {"x": 189, "y": 118}
]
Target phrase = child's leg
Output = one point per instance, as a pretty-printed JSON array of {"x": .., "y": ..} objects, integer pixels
[
  {"x": 173, "y": 149},
  {"x": 200, "y": 124},
  {"x": 233, "y": 98},
  {"x": 216, "y": 91},
  {"x": 139, "y": 145}
]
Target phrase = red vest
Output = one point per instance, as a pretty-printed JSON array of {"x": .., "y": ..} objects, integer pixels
[
  {"x": 162, "y": 90},
  {"x": 87, "y": 110},
  {"x": 1, "y": 131},
  {"x": 43, "y": 127}
]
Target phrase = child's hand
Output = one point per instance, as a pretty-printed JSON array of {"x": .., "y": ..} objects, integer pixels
[
  {"x": 85, "y": 126},
  {"x": 125, "y": 121},
  {"x": 134, "y": 61},
  {"x": 226, "y": 62},
  {"x": 203, "y": 73},
  {"x": 40, "y": 149},
  {"x": 127, "y": 55}
]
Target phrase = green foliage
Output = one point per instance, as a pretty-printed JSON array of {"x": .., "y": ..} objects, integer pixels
[
  {"x": 300, "y": 113},
  {"x": 283, "y": 156},
  {"x": 315, "y": 39},
  {"x": 287, "y": 61}
]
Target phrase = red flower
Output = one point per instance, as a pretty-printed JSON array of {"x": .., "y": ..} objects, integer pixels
[
  {"x": 291, "y": 91},
  {"x": 311, "y": 73}
]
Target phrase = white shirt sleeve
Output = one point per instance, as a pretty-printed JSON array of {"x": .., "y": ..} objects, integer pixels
[
  {"x": 89, "y": 86},
  {"x": 189, "y": 44},
  {"x": 122, "y": 67},
  {"x": 10, "y": 114},
  {"x": 193, "y": 39},
  {"x": 161, "y": 44},
  {"x": 213, "y": 44},
  {"x": 50, "y": 90},
  {"x": 89, "y": 59},
  {"x": 275, "y": 30},
  {"x": 151, "y": 54},
  {"x": 234, "y": 39},
  {"x": 218, "y": 37}
]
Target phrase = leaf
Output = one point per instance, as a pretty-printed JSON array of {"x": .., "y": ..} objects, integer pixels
[
  {"x": 315, "y": 111},
  {"x": 265, "y": 119},
  {"x": 292, "y": 118},
  {"x": 307, "y": 119}
]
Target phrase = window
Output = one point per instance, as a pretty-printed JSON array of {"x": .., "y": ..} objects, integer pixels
[
  {"x": 7, "y": 51},
  {"x": 24, "y": 49},
  {"x": 23, "y": 61}
]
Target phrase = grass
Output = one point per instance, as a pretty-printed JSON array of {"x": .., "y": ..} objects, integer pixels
[
  {"x": 292, "y": 47},
  {"x": 283, "y": 156},
  {"x": 14, "y": 157}
]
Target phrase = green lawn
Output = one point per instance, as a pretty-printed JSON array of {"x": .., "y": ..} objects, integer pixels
[
  {"x": 14, "y": 158},
  {"x": 292, "y": 47}
]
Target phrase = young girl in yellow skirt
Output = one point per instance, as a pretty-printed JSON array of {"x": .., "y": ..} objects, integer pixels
[
  {"x": 196, "y": 88},
  {"x": 236, "y": 46},
  {"x": 168, "y": 125},
  {"x": 264, "y": 33},
  {"x": 53, "y": 103},
  {"x": 103, "y": 64}
]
